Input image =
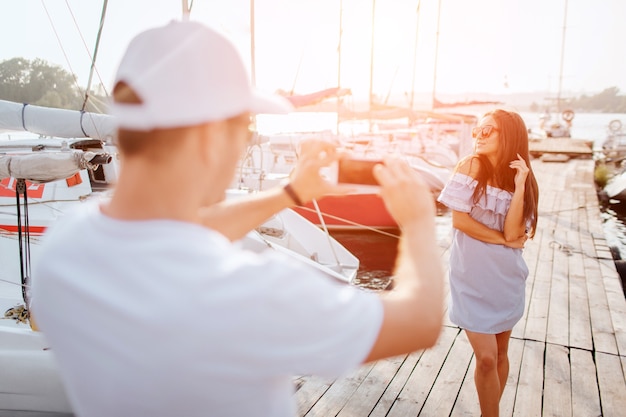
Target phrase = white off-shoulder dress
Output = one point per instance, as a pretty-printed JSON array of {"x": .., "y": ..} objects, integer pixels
[{"x": 487, "y": 281}]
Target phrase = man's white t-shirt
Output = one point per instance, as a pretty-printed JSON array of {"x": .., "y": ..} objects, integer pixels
[{"x": 166, "y": 318}]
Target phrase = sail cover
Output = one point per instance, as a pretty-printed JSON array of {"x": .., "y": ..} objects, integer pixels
[
  {"x": 49, "y": 121},
  {"x": 44, "y": 166}
]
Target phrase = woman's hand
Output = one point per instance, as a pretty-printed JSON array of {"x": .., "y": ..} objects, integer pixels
[
  {"x": 522, "y": 169},
  {"x": 517, "y": 243}
]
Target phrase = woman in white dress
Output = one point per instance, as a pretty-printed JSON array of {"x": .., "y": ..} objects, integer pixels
[{"x": 493, "y": 196}]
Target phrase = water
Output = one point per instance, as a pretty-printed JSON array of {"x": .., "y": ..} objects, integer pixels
[
  {"x": 587, "y": 126},
  {"x": 614, "y": 223},
  {"x": 376, "y": 252}
]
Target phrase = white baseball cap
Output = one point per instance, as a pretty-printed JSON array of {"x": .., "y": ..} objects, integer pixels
[{"x": 186, "y": 74}]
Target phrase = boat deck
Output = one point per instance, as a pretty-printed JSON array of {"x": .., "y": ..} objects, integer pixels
[{"x": 567, "y": 354}]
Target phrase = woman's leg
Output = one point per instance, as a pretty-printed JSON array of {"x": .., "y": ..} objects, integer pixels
[
  {"x": 486, "y": 376},
  {"x": 503, "y": 358}
]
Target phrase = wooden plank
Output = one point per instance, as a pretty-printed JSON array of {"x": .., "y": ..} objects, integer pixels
[
  {"x": 448, "y": 383},
  {"x": 339, "y": 393},
  {"x": 612, "y": 383},
  {"x": 397, "y": 384},
  {"x": 580, "y": 321},
  {"x": 419, "y": 384},
  {"x": 373, "y": 387},
  {"x": 585, "y": 392},
  {"x": 602, "y": 328},
  {"x": 601, "y": 324},
  {"x": 531, "y": 254},
  {"x": 536, "y": 322},
  {"x": 558, "y": 310},
  {"x": 538, "y": 289},
  {"x": 466, "y": 404},
  {"x": 557, "y": 400},
  {"x": 529, "y": 389},
  {"x": 616, "y": 303},
  {"x": 309, "y": 391},
  {"x": 593, "y": 213},
  {"x": 507, "y": 402}
]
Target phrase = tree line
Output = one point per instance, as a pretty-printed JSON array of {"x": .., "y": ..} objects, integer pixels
[
  {"x": 607, "y": 101},
  {"x": 39, "y": 83}
]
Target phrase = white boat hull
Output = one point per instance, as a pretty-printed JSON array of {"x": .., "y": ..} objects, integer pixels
[
  {"x": 616, "y": 187},
  {"x": 30, "y": 377}
]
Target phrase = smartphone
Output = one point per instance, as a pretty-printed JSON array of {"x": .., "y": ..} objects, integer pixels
[{"x": 357, "y": 171}]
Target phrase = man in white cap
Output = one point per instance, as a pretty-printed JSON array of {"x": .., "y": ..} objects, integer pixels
[{"x": 149, "y": 306}]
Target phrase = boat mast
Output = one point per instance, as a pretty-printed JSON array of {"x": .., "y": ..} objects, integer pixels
[
  {"x": 186, "y": 9},
  {"x": 95, "y": 54},
  {"x": 339, "y": 61},
  {"x": 415, "y": 55},
  {"x": 371, "y": 92},
  {"x": 436, "y": 55},
  {"x": 558, "y": 97},
  {"x": 252, "y": 46}
]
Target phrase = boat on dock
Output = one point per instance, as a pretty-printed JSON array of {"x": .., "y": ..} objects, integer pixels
[
  {"x": 43, "y": 178},
  {"x": 431, "y": 146},
  {"x": 614, "y": 145},
  {"x": 616, "y": 186},
  {"x": 30, "y": 379},
  {"x": 558, "y": 128}
]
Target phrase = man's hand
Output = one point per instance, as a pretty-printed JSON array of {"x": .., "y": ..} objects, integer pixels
[
  {"x": 305, "y": 179},
  {"x": 406, "y": 195}
]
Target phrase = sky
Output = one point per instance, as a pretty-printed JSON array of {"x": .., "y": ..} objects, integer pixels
[{"x": 441, "y": 46}]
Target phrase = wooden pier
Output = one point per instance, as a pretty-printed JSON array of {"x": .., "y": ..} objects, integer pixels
[
  {"x": 567, "y": 354},
  {"x": 564, "y": 148}
]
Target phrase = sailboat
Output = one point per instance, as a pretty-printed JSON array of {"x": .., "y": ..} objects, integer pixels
[
  {"x": 41, "y": 178},
  {"x": 431, "y": 145},
  {"x": 430, "y": 142},
  {"x": 53, "y": 160},
  {"x": 558, "y": 128}
]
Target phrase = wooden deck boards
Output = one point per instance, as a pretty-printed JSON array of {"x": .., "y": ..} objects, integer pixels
[
  {"x": 567, "y": 354},
  {"x": 561, "y": 146}
]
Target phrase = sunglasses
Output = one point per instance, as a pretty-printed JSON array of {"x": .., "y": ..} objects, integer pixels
[{"x": 484, "y": 131}]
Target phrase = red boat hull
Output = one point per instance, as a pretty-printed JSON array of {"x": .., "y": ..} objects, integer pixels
[{"x": 350, "y": 211}]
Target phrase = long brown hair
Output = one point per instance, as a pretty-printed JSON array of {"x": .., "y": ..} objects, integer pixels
[{"x": 513, "y": 140}]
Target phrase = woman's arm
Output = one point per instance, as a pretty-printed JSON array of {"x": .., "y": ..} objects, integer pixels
[
  {"x": 475, "y": 229},
  {"x": 514, "y": 224}
]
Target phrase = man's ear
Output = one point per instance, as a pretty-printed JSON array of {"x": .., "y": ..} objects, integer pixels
[{"x": 208, "y": 136}]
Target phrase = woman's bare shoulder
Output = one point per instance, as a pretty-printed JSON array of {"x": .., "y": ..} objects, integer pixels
[{"x": 468, "y": 166}]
